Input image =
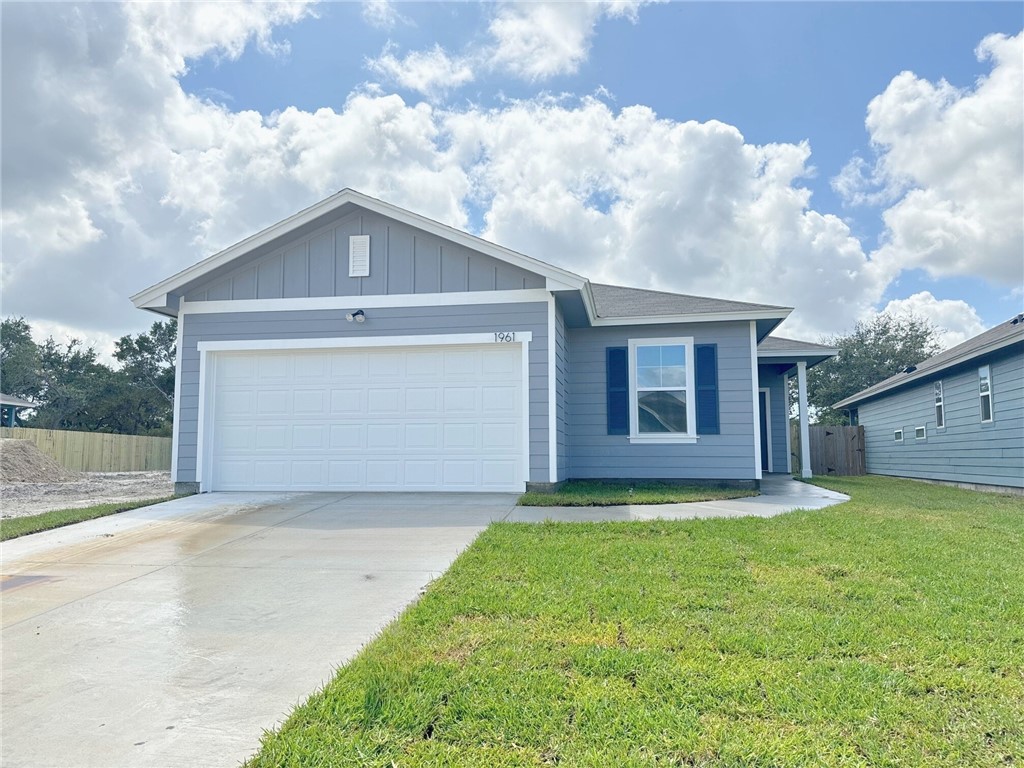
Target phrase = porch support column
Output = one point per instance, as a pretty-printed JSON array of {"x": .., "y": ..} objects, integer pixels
[{"x": 805, "y": 439}]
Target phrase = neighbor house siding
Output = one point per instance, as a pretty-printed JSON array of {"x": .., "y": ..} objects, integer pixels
[
  {"x": 778, "y": 419},
  {"x": 561, "y": 394},
  {"x": 407, "y": 321},
  {"x": 593, "y": 453},
  {"x": 403, "y": 260},
  {"x": 966, "y": 450}
]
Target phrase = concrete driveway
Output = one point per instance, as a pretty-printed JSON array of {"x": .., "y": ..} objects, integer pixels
[{"x": 173, "y": 635}]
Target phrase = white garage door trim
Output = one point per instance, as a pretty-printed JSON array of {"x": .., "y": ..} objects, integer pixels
[{"x": 206, "y": 382}]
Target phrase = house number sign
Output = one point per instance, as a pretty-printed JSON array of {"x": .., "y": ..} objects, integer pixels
[{"x": 504, "y": 337}]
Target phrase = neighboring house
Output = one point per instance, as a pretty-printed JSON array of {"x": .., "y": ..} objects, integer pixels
[
  {"x": 359, "y": 346},
  {"x": 9, "y": 407},
  {"x": 956, "y": 417}
]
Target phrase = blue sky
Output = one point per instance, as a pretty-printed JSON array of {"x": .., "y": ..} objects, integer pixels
[{"x": 774, "y": 73}]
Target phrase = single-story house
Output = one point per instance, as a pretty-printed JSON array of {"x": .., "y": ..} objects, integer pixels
[
  {"x": 360, "y": 346},
  {"x": 9, "y": 407},
  {"x": 957, "y": 417}
]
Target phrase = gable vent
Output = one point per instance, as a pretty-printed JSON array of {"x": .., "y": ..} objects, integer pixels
[{"x": 359, "y": 256}]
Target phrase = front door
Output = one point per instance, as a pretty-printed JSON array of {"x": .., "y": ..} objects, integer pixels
[{"x": 766, "y": 437}]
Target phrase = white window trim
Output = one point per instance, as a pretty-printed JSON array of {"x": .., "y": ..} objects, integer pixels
[
  {"x": 940, "y": 403},
  {"x": 691, "y": 407},
  {"x": 898, "y": 432},
  {"x": 924, "y": 432},
  {"x": 208, "y": 373},
  {"x": 987, "y": 376}
]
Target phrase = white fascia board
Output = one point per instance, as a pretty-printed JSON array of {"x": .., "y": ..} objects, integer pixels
[
  {"x": 706, "y": 317},
  {"x": 342, "y": 342},
  {"x": 795, "y": 354},
  {"x": 332, "y": 203},
  {"x": 384, "y": 301}
]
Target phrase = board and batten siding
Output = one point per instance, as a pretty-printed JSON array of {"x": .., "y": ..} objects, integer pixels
[
  {"x": 398, "y": 321},
  {"x": 778, "y": 419},
  {"x": 403, "y": 260},
  {"x": 966, "y": 450},
  {"x": 593, "y": 453}
]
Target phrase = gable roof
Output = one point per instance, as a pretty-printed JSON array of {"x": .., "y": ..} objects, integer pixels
[
  {"x": 1001, "y": 336},
  {"x": 156, "y": 296},
  {"x": 777, "y": 345}
]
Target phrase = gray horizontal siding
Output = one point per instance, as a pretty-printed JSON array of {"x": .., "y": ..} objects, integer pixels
[
  {"x": 403, "y": 260},
  {"x": 402, "y": 321},
  {"x": 965, "y": 450},
  {"x": 593, "y": 453}
]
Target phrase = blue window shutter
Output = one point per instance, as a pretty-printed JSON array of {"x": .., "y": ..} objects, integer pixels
[
  {"x": 617, "y": 359},
  {"x": 706, "y": 379}
]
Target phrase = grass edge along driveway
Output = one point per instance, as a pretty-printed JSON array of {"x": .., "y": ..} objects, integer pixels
[
  {"x": 885, "y": 631},
  {"x": 13, "y": 527}
]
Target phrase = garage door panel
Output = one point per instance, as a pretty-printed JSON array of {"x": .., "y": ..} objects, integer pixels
[
  {"x": 308, "y": 401},
  {"x": 310, "y": 436},
  {"x": 422, "y": 436},
  {"x": 383, "y": 401},
  {"x": 419, "y": 419},
  {"x": 345, "y": 474},
  {"x": 273, "y": 402},
  {"x": 273, "y": 368},
  {"x": 347, "y": 401},
  {"x": 382, "y": 473}
]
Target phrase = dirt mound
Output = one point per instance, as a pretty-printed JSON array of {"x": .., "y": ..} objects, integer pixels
[{"x": 22, "y": 462}]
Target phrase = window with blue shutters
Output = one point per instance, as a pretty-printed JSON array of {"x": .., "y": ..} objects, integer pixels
[{"x": 706, "y": 377}]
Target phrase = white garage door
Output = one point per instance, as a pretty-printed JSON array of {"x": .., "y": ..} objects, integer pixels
[{"x": 420, "y": 418}]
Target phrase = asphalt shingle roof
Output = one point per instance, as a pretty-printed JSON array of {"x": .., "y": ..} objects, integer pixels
[
  {"x": 1002, "y": 335},
  {"x": 615, "y": 301},
  {"x": 780, "y": 344}
]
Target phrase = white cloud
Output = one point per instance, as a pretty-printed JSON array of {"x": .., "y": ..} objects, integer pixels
[
  {"x": 430, "y": 72},
  {"x": 151, "y": 179},
  {"x": 956, "y": 320},
  {"x": 953, "y": 162},
  {"x": 538, "y": 40},
  {"x": 382, "y": 14}
]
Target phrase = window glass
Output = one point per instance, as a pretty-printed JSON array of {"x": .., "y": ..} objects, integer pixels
[
  {"x": 985, "y": 393},
  {"x": 663, "y": 411},
  {"x": 661, "y": 397},
  {"x": 940, "y": 411}
]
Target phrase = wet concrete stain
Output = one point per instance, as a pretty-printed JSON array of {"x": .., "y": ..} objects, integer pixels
[{"x": 14, "y": 581}]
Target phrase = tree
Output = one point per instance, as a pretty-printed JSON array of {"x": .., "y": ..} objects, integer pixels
[
  {"x": 148, "y": 358},
  {"x": 19, "y": 359},
  {"x": 874, "y": 351}
]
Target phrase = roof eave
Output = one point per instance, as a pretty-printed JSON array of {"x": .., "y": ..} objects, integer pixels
[
  {"x": 867, "y": 394},
  {"x": 695, "y": 317}
]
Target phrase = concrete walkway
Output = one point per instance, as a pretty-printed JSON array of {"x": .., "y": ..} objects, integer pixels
[
  {"x": 779, "y": 493},
  {"x": 174, "y": 635}
]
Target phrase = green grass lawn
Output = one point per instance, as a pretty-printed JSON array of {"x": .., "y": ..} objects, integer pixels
[
  {"x": 581, "y": 493},
  {"x": 888, "y": 631},
  {"x": 13, "y": 527}
]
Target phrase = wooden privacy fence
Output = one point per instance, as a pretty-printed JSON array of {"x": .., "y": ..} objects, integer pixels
[
  {"x": 97, "y": 451},
  {"x": 837, "y": 450}
]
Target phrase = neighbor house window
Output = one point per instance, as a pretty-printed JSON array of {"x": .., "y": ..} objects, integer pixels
[
  {"x": 662, "y": 390},
  {"x": 920, "y": 433},
  {"x": 897, "y": 436},
  {"x": 940, "y": 412},
  {"x": 985, "y": 393}
]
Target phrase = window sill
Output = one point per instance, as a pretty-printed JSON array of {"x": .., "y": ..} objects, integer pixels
[{"x": 671, "y": 439}]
